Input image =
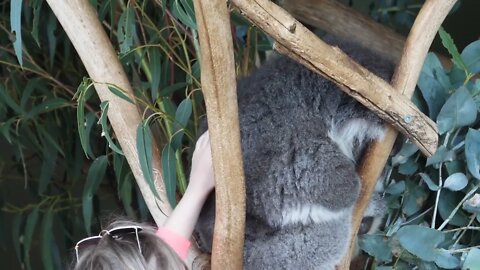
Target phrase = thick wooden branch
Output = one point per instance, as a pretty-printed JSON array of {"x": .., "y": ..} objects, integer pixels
[
  {"x": 342, "y": 21},
  {"x": 86, "y": 33},
  {"x": 219, "y": 89},
  {"x": 367, "y": 88},
  {"x": 406, "y": 75}
]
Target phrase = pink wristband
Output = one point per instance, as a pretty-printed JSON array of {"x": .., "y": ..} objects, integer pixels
[{"x": 178, "y": 243}]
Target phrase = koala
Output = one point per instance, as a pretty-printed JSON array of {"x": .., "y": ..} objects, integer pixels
[{"x": 301, "y": 138}]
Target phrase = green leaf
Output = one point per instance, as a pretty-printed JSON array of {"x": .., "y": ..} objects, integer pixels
[
  {"x": 376, "y": 245},
  {"x": 431, "y": 185},
  {"x": 169, "y": 173},
  {"x": 106, "y": 129},
  {"x": 156, "y": 70},
  {"x": 126, "y": 30},
  {"x": 447, "y": 203},
  {"x": 144, "y": 148},
  {"x": 414, "y": 197},
  {"x": 28, "y": 234},
  {"x": 459, "y": 110},
  {"x": 47, "y": 239},
  {"x": 82, "y": 97},
  {"x": 408, "y": 150},
  {"x": 5, "y": 129},
  {"x": 448, "y": 43},
  {"x": 49, "y": 161},
  {"x": 172, "y": 88},
  {"x": 36, "y": 6},
  {"x": 471, "y": 56},
  {"x": 95, "y": 175},
  {"x": 5, "y": 98},
  {"x": 396, "y": 188},
  {"x": 424, "y": 243},
  {"x": 48, "y": 105},
  {"x": 90, "y": 120},
  {"x": 182, "y": 115},
  {"x": 51, "y": 37},
  {"x": 434, "y": 84},
  {"x": 456, "y": 181},
  {"x": 119, "y": 93},
  {"x": 472, "y": 261},
  {"x": 442, "y": 155},
  {"x": 472, "y": 205},
  {"x": 16, "y": 27},
  {"x": 472, "y": 152},
  {"x": 183, "y": 10}
]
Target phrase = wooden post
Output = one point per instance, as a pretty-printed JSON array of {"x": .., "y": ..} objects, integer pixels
[{"x": 219, "y": 89}]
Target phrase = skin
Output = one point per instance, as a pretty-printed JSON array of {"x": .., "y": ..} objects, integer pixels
[{"x": 184, "y": 217}]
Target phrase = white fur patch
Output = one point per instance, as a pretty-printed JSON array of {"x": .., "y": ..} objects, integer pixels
[
  {"x": 356, "y": 129},
  {"x": 310, "y": 213}
]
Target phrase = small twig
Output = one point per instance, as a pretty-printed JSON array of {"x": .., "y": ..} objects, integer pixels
[
  {"x": 469, "y": 194},
  {"x": 437, "y": 198}
]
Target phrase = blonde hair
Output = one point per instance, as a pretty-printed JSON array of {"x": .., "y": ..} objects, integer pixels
[{"x": 123, "y": 253}]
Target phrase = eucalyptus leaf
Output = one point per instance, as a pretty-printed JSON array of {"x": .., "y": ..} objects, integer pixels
[
  {"x": 434, "y": 84},
  {"x": 105, "y": 128},
  {"x": 82, "y": 97},
  {"x": 396, "y": 188},
  {"x": 182, "y": 115},
  {"x": 30, "y": 224},
  {"x": 448, "y": 43},
  {"x": 156, "y": 68},
  {"x": 459, "y": 110},
  {"x": 408, "y": 149},
  {"x": 95, "y": 175},
  {"x": 441, "y": 155},
  {"x": 48, "y": 105},
  {"x": 47, "y": 239},
  {"x": 456, "y": 182},
  {"x": 183, "y": 10},
  {"x": 144, "y": 148},
  {"x": 126, "y": 29},
  {"x": 16, "y": 228},
  {"x": 16, "y": 26},
  {"x": 431, "y": 185},
  {"x": 471, "y": 56},
  {"x": 120, "y": 93},
  {"x": 414, "y": 198},
  {"x": 472, "y": 261},
  {"x": 447, "y": 203},
  {"x": 472, "y": 152},
  {"x": 36, "y": 6},
  {"x": 375, "y": 245},
  {"x": 169, "y": 173}
]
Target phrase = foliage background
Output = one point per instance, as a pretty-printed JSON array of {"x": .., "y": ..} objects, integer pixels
[{"x": 62, "y": 176}]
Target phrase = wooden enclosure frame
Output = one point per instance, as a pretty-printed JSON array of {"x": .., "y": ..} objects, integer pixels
[{"x": 389, "y": 100}]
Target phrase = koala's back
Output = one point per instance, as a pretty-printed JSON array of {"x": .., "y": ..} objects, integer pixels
[{"x": 300, "y": 137}]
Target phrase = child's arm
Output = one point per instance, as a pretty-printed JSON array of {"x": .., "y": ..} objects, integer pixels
[{"x": 184, "y": 217}]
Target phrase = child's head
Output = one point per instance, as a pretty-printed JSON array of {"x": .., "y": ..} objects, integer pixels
[{"x": 129, "y": 245}]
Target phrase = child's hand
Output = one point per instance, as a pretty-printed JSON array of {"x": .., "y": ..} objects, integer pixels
[{"x": 201, "y": 175}]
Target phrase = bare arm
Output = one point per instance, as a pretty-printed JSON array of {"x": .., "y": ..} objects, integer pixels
[{"x": 184, "y": 217}]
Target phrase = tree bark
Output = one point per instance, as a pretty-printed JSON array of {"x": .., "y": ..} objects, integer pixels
[
  {"x": 404, "y": 80},
  {"x": 298, "y": 42},
  {"x": 219, "y": 89},
  {"x": 86, "y": 33}
]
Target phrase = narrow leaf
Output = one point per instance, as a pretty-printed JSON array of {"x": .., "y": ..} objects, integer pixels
[
  {"x": 169, "y": 173},
  {"x": 156, "y": 69},
  {"x": 27, "y": 236},
  {"x": 48, "y": 105},
  {"x": 144, "y": 146},
  {"x": 106, "y": 130},
  {"x": 431, "y": 185},
  {"x": 119, "y": 93},
  {"x": 95, "y": 175},
  {"x": 5, "y": 98},
  {"x": 448, "y": 43},
  {"x": 47, "y": 239},
  {"x": 82, "y": 97},
  {"x": 16, "y": 26},
  {"x": 36, "y": 6},
  {"x": 182, "y": 115},
  {"x": 16, "y": 228}
]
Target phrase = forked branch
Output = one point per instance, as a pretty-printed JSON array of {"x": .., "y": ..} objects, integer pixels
[{"x": 405, "y": 78}]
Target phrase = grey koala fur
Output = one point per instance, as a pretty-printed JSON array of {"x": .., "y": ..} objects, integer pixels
[{"x": 301, "y": 137}]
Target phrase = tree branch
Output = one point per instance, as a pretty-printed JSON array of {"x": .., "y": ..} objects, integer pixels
[
  {"x": 404, "y": 80},
  {"x": 219, "y": 88},
  {"x": 86, "y": 33},
  {"x": 355, "y": 80}
]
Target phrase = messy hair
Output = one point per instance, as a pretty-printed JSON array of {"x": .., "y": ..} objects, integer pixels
[{"x": 123, "y": 253}]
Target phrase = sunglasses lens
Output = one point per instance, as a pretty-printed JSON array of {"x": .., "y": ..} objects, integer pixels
[{"x": 120, "y": 232}]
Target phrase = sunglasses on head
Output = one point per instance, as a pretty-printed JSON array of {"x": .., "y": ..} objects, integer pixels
[{"x": 115, "y": 233}]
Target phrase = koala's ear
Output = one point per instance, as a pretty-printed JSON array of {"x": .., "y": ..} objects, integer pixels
[{"x": 352, "y": 135}]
